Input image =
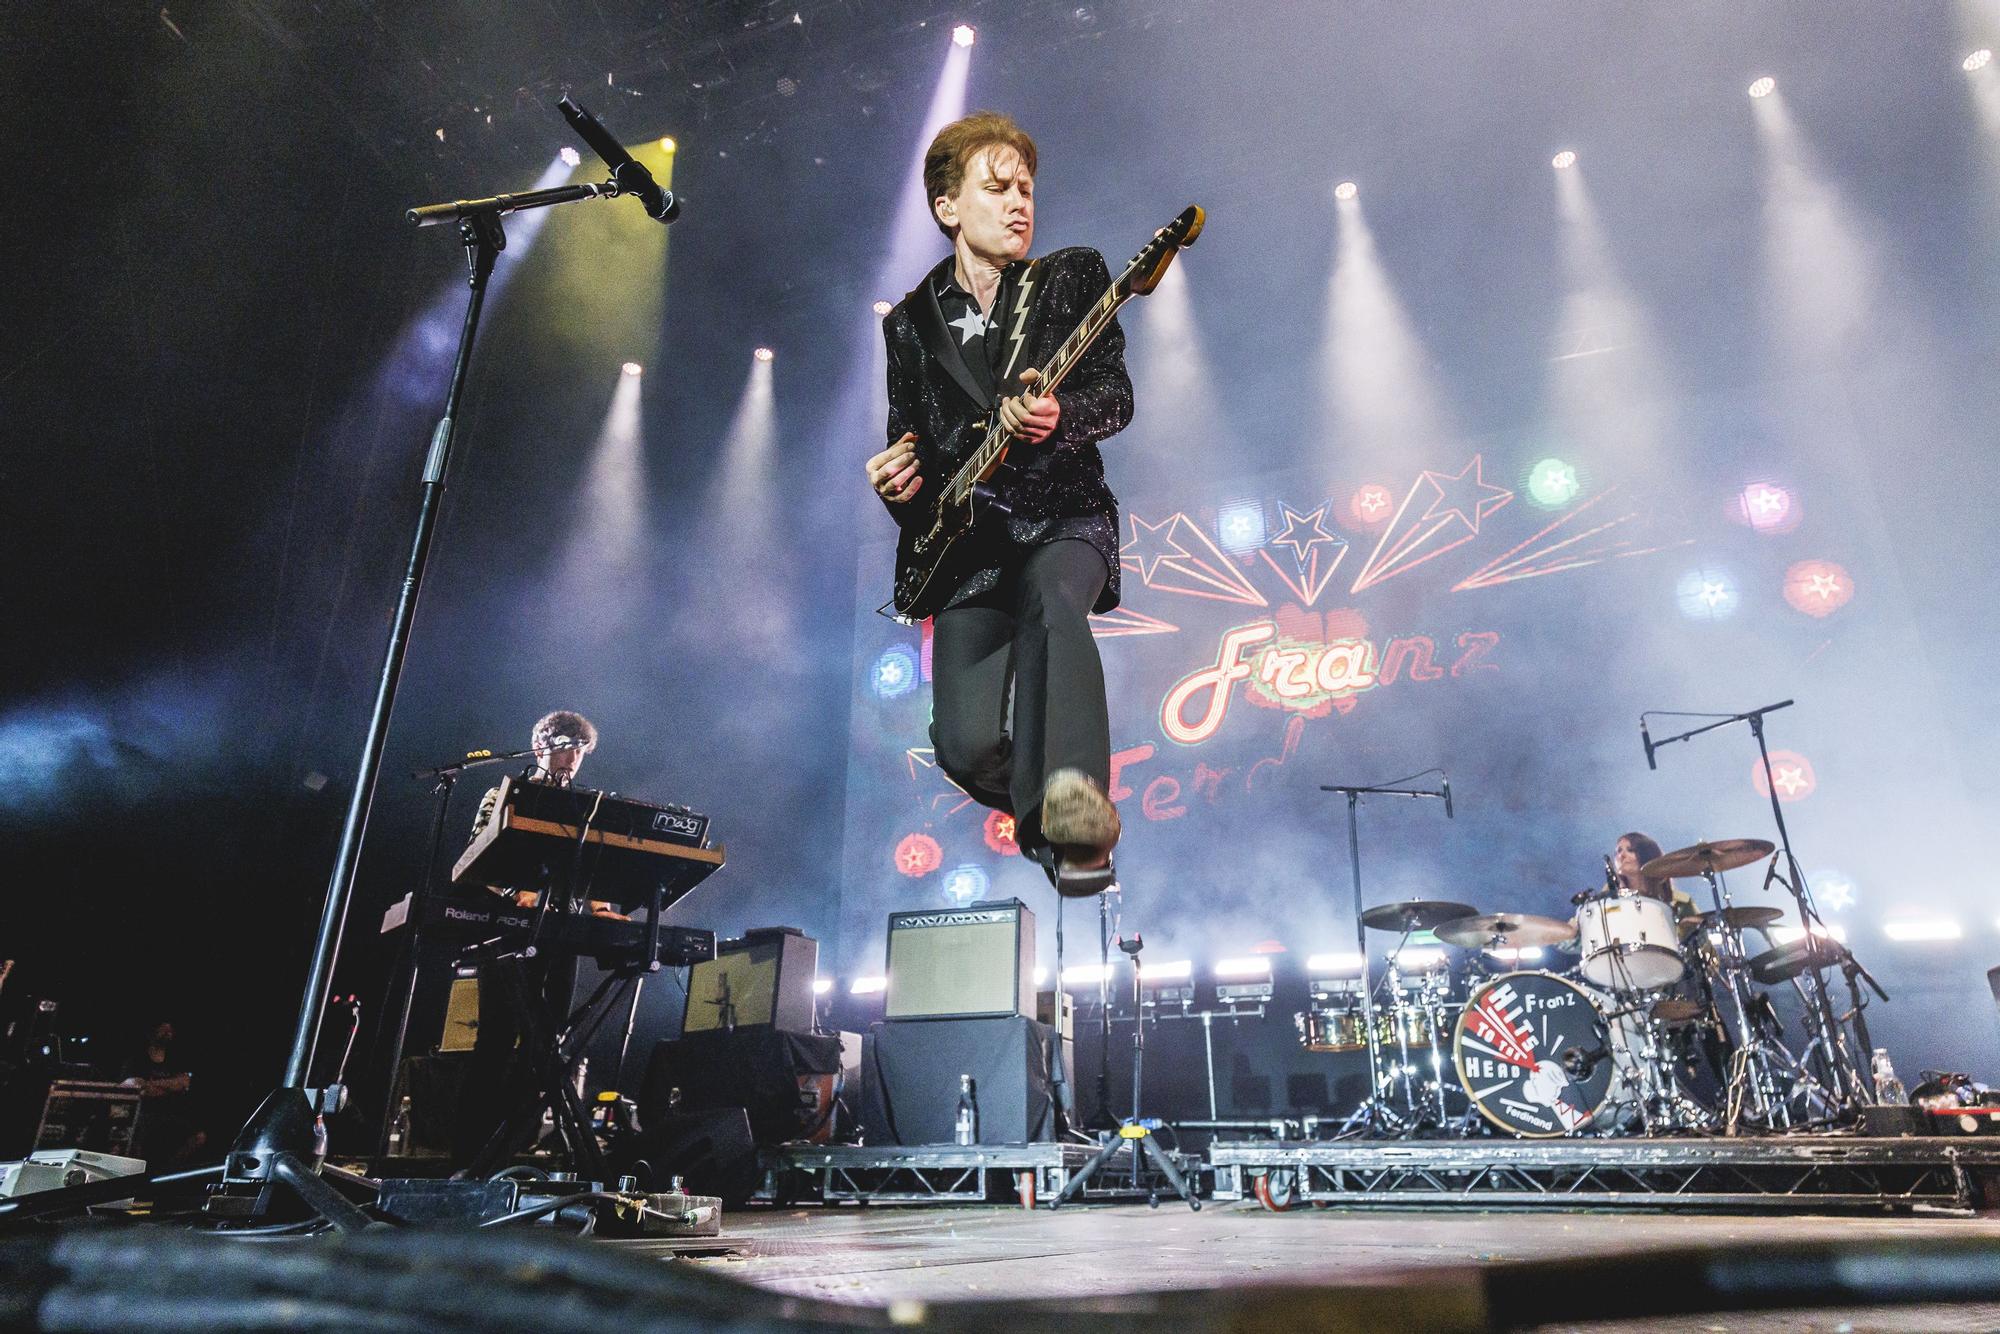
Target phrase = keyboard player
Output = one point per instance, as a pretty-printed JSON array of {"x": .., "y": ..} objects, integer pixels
[{"x": 561, "y": 740}]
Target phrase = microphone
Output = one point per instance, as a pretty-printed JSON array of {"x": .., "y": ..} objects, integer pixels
[
  {"x": 631, "y": 176},
  {"x": 1578, "y": 1063},
  {"x": 1610, "y": 876},
  {"x": 1445, "y": 783},
  {"x": 1646, "y": 740}
]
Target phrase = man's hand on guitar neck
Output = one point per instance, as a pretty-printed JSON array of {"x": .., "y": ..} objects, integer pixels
[{"x": 1030, "y": 416}]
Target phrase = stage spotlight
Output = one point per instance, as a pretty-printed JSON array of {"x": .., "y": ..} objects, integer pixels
[
  {"x": 1085, "y": 975},
  {"x": 763, "y": 354},
  {"x": 1563, "y": 160},
  {"x": 570, "y": 156},
  {"x": 633, "y": 368},
  {"x": 667, "y": 144},
  {"x": 1930, "y": 929},
  {"x": 882, "y": 307},
  {"x": 868, "y": 986},
  {"x": 1516, "y": 953},
  {"x": 963, "y": 35},
  {"x": 822, "y": 985},
  {"x": 1251, "y": 965},
  {"x": 1175, "y": 970},
  {"x": 1763, "y": 87},
  {"x": 1337, "y": 962},
  {"x": 1041, "y": 976},
  {"x": 1419, "y": 958},
  {"x": 1785, "y": 935},
  {"x": 1346, "y": 190},
  {"x": 1978, "y": 60}
]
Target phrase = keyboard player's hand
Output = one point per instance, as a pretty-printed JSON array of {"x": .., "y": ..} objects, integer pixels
[{"x": 598, "y": 909}]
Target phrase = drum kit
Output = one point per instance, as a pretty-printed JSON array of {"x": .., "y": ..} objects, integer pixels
[{"x": 1648, "y": 1023}]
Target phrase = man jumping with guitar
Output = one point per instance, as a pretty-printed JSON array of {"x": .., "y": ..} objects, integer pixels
[{"x": 1010, "y": 561}]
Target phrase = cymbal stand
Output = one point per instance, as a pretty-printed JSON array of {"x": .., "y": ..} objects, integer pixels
[
  {"x": 1374, "y": 1115},
  {"x": 1845, "y": 1086},
  {"x": 1752, "y": 1089}
]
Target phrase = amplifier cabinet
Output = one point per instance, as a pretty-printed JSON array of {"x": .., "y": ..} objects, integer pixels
[
  {"x": 764, "y": 980},
  {"x": 962, "y": 963}
]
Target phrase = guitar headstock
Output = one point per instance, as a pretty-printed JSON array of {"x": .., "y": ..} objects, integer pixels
[{"x": 1143, "y": 274}]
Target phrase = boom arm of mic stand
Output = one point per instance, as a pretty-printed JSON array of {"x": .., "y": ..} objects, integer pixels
[
  {"x": 431, "y": 215},
  {"x": 1660, "y": 742}
]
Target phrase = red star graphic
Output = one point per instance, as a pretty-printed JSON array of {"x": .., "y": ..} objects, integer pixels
[
  {"x": 1791, "y": 774},
  {"x": 918, "y": 855},
  {"x": 1000, "y": 834},
  {"x": 1371, "y": 503}
]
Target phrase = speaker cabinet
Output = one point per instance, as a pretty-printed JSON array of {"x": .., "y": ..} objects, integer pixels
[
  {"x": 962, "y": 963},
  {"x": 910, "y": 1080},
  {"x": 764, "y": 980}
]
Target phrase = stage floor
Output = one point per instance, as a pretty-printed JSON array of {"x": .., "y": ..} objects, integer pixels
[{"x": 883, "y": 1257}]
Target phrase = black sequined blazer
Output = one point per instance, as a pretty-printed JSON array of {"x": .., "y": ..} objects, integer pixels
[{"x": 1057, "y": 488}]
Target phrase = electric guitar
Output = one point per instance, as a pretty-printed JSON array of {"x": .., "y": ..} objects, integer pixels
[{"x": 934, "y": 553}]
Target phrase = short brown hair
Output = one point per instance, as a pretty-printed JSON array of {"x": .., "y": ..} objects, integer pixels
[
  {"x": 564, "y": 723},
  {"x": 961, "y": 141}
]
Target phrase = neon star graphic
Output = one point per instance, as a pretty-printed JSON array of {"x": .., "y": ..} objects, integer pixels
[
  {"x": 1454, "y": 505},
  {"x": 1607, "y": 538},
  {"x": 1834, "y": 890},
  {"x": 1302, "y": 542},
  {"x": 1822, "y": 585},
  {"x": 936, "y": 792},
  {"x": 1149, "y": 547}
]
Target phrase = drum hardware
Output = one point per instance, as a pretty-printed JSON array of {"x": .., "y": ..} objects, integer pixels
[
  {"x": 1374, "y": 1115},
  {"x": 1737, "y": 919},
  {"x": 1840, "y": 1079}
]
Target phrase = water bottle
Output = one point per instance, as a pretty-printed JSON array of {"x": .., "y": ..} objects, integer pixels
[
  {"x": 965, "y": 1124},
  {"x": 399, "y": 1129},
  {"x": 1888, "y": 1089}
]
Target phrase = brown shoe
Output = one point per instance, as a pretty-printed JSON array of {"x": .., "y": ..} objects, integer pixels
[{"x": 1078, "y": 818}]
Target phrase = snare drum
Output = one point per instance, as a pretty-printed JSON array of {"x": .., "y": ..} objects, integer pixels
[
  {"x": 1628, "y": 942},
  {"x": 1333, "y": 1028}
]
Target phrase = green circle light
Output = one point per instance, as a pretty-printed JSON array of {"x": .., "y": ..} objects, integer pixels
[{"x": 1552, "y": 483}]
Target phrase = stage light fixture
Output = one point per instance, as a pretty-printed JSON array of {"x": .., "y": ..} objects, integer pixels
[
  {"x": 570, "y": 157},
  {"x": 667, "y": 144},
  {"x": 1346, "y": 190},
  {"x": 1763, "y": 87},
  {"x": 963, "y": 35},
  {"x": 1978, "y": 60},
  {"x": 1174, "y": 970},
  {"x": 1785, "y": 935},
  {"x": 633, "y": 368},
  {"x": 882, "y": 307},
  {"x": 1563, "y": 160},
  {"x": 1337, "y": 962},
  {"x": 1250, "y": 965},
  {"x": 1419, "y": 958},
  {"x": 1085, "y": 975},
  {"x": 868, "y": 986},
  {"x": 1923, "y": 929},
  {"x": 822, "y": 985},
  {"x": 763, "y": 354},
  {"x": 1516, "y": 953},
  {"x": 1041, "y": 976}
]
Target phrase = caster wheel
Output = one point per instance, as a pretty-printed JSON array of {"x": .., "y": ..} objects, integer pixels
[
  {"x": 1274, "y": 1191},
  {"x": 1024, "y": 1188}
]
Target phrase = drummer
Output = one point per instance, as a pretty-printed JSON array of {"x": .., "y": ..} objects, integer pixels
[{"x": 1634, "y": 851}]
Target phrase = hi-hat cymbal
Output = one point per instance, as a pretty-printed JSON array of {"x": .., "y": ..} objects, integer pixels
[
  {"x": 1740, "y": 918},
  {"x": 1513, "y": 930},
  {"x": 1725, "y": 854},
  {"x": 1415, "y": 914}
]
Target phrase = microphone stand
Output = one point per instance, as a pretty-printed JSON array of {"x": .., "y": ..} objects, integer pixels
[
  {"x": 409, "y": 960},
  {"x": 1848, "y": 1089},
  {"x": 1371, "y": 1112},
  {"x": 277, "y": 1152}
]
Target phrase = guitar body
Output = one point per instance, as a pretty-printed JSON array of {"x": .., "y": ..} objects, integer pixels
[
  {"x": 935, "y": 556},
  {"x": 937, "y": 551}
]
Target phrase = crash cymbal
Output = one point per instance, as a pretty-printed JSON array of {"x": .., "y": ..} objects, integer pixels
[
  {"x": 1740, "y": 918},
  {"x": 1676, "y": 1010},
  {"x": 1415, "y": 914},
  {"x": 1725, "y": 854},
  {"x": 1513, "y": 930}
]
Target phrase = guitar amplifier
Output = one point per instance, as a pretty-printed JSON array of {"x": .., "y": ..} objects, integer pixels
[
  {"x": 961, "y": 963},
  {"x": 763, "y": 980}
]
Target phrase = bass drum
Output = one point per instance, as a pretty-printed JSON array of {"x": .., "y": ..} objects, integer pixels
[{"x": 1534, "y": 1055}]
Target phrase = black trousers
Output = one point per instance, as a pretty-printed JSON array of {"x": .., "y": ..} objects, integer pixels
[
  {"x": 499, "y": 1078},
  {"x": 1028, "y": 640}
]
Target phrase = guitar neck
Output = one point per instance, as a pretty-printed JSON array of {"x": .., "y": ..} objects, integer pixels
[{"x": 1095, "y": 321}]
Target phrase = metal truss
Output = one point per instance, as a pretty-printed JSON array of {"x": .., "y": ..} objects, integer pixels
[{"x": 1778, "y": 1173}]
